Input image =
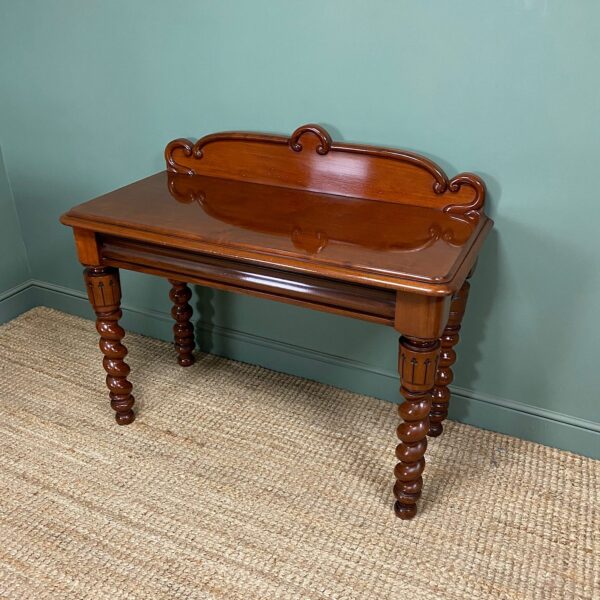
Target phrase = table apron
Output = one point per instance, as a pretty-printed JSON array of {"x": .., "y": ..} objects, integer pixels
[{"x": 310, "y": 291}]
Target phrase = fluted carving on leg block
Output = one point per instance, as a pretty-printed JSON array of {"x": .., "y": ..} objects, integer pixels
[
  {"x": 417, "y": 364},
  {"x": 444, "y": 375},
  {"x": 183, "y": 330},
  {"x": 104, "y": 292}
]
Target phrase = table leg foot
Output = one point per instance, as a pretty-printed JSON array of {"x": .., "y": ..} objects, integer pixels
[
  {"x": 104, "y": 292},
  {"x": 183, "y": 330},
  {"x": 444, "y": 375},
  {"x": 417, "y": 366}
]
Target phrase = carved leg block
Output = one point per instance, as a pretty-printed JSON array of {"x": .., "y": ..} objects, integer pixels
[
  {"x": 444, "y": 375},
  {"x": 104, "y": 292},
  {"x": 417, "y": 365},
  {"x": 183, "y": 330}
]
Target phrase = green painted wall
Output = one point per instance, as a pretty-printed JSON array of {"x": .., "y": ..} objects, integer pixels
[
  {"x": 14, "y": 270},
  {"x": 509, "y": 89}
]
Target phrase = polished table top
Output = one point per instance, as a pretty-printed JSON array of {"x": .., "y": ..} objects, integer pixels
[{"x": 215, "y": 214}]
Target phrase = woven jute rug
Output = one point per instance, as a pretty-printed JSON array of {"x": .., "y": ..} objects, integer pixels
[{"x": 237, "y": 482}]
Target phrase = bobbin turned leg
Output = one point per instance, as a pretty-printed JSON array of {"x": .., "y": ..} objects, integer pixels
[
  {"x": 183, "y": 330},
  {"x": 417, "y": 364},
  {"x": 444, "y": 375},
  {"x": 104, "y": 292}
]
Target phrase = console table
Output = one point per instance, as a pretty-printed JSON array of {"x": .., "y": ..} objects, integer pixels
[{"x": 372, "y": 233}]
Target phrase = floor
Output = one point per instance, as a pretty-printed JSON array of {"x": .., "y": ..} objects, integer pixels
[{"x": 238, "y": 482}]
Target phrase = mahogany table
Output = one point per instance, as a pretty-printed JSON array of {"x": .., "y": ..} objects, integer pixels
[{"x": 372, "y": 233}]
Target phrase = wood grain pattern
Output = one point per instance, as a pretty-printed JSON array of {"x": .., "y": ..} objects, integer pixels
[
  {"x": 310, "y": 160},
  {"x": 104, "y": 293},
  {"x": 421, "y": 316},
  {"x": 87, "y": 246}
]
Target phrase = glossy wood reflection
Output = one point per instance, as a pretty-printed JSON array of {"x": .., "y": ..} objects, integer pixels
[
  {"x": 310, "y": 160},
  {"x": 382, "y": 242},
  {"x": 371, "y": 233}
]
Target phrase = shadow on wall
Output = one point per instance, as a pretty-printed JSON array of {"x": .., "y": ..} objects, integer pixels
[
  {"x": 543, "y": 297},
  {"x": 205, "y": 311},
  {"x": 482, "y": 296}
]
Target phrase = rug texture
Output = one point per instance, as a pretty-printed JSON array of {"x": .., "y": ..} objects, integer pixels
[{"x": 236, "y": 482}]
